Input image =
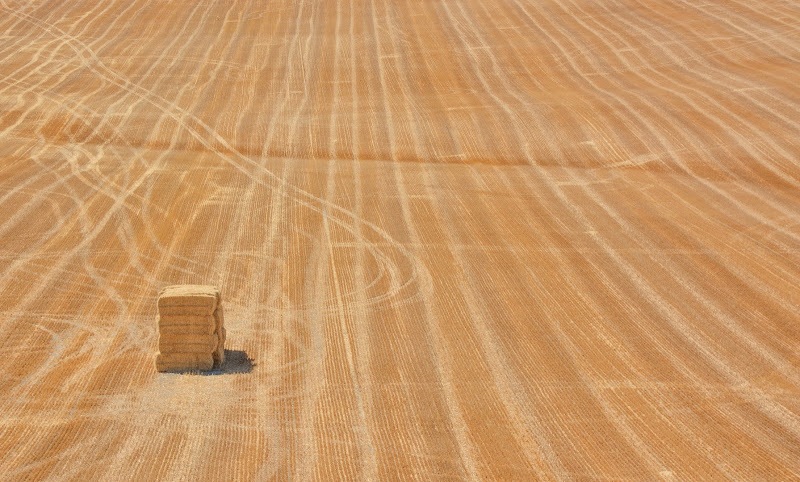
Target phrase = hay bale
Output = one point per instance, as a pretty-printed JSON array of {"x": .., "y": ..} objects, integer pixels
[
  {"x": 208, "y": 346},
  {"x": 178, "y": 362},
  {"x": 191, "y": 328},
  {"x": 193, "y": 339},
  {"x": 199, "y": 329},
  {"x": 190, "y": 310},
  {"x": 207, "y": 322},
  {"x": 199, "y": 297}
]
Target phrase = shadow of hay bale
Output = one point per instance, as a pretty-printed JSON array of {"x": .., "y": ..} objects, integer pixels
[{"x": 236, "y": 361}]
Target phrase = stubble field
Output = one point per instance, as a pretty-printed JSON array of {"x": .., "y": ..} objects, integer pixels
[{"x": 464, "y": 239}]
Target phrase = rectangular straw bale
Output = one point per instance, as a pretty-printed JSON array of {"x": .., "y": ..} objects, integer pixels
[
  {"x": 185, "y": 311},
  {"x": 198, "y": 348},
  {"x": 206, "y": 346},
  {"x": 184, "y": 361},
  {"x": 188, "y": 338},
  {"x": 191, "y": 305},
  {"x": 189, "y": 290},
  {"x": 197, "y": 296},
  {"x": 205, "y": 300},
  {"x": 171, "y": 320},
  {"x": 201, "y": 329}
]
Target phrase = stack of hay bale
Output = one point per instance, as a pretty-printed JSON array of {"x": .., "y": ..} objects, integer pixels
[{"x": 191, "y": 331}]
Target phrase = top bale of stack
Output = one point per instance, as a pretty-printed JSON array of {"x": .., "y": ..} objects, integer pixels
[{"x": 196, "y": 300}]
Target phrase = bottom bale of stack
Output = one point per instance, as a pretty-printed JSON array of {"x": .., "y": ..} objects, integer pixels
[{"x": 167, "y": 362}]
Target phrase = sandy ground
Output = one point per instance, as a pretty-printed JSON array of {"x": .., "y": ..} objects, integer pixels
[{"x": 464, "y": 239}]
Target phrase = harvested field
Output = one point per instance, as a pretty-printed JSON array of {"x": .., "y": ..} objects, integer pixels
[{"x": 466, "y": 239}]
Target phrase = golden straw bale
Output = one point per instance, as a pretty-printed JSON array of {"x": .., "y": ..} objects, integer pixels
[
  {"x": 178, "y": 310},
  {"x": 190, "y": 338},
  {"x": 172, "y": 320},
  {"x": 205, "y": 346},
  {"x": 195, "y": 296},
  {"x": 188, "y": 346},
  {"x": 184, "y": 361},
  {"x": 198, "y": 329},
  {"x": 198, "y": 348}
]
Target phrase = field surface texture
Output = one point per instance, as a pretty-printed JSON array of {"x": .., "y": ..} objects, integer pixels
[{"x": 468, "y": 239}]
